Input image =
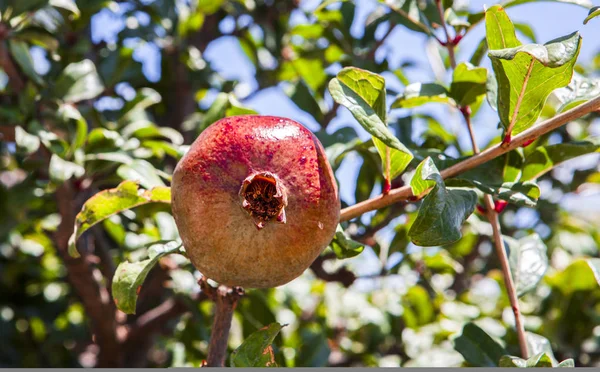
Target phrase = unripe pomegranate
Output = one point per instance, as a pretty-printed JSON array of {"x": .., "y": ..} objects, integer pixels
[{"x": 255, "y": 201}]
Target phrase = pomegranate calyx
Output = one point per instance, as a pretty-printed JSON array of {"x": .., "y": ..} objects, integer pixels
[{"x": 264, "y": 198}]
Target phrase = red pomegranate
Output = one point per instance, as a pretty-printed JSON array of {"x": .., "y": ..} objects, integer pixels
[{"x": 255, "y": 201}]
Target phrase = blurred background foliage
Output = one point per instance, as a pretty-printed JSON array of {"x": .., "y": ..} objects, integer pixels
[{"x": 94, "y": 92}]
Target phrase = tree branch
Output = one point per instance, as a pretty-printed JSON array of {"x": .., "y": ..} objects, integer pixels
[
  {"x": 82, "y": 276},
  {"x": 404, "y": 193},
  {"x": 508, "y": 280},
  {"x": 449, "y": 42},
  {"x": 342, "y": 275},
  {"x": 226, "y": 299}
]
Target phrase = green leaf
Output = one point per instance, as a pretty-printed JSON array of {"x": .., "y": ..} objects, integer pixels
[
  {"x": 67, "y": 5},
  {"x": 580, "y": 275},
  {"x": 567, "y": 363},
  {"x": 523, "y": 194},
  {"x": 20, "y": 52},
  {"x": 37, "y": 36},
  {"x": 304, "y": 99},
  {"x": 526, "y": 74},
  {"x": 420, "y": 181},
  {"x": 477, "y": 347},
  {"x": 510, "y": 361},
  {"x": 129, "y": 276},
  {"x": 579, "y": 90},
  {"x": 537, "y": 344},
  {"x": 526, "y": 30},
  {"x": 442, "y": 212},
  {"x": 594, "y": 264},
  {"x": 106, "y": 203},
  {"x": 78, "y": 81},
  {"x": 141, "y": 171},
  {"x": 366, "y": 179},
  {"x": 363, "y": 93},
  {"x": 67, "y": 113},
  {"x": 28, "y": 142},
  {"x": 256, "y": 350},
  {"x": 22, "y": 6},
  {"x": 594, "y": 12},
  {"x": 544, "y": 158},
  {"x": 143, "y": 99},
  {"x": 528, "y": 260},
  {"x": 343, "y": 246},
  {"x": 468, "y": 83},
  {"x": 418, "y": 94},
  {"x": 61, "y": 170},
  {"x": 540, "y": 361}
]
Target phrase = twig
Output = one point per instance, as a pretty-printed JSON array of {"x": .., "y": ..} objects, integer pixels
[
  {"x": 449, "y": 44},
  {"x": 226, "y": 299},
  {"x": 492, "y": 216},
  {"x": 81, "y": 275},
  {"x": 342, "y": 275},
  {"x": 380, "y": 42},
  {"x": 404, "y": 193},
  {"x": 508, "y": 280},
  {"x": 14, "y": 78}
]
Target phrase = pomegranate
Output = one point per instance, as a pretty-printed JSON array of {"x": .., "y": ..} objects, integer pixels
[{"x": 255, "y": 201}]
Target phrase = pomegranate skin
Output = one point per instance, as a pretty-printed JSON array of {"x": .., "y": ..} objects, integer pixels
[{"x": 232, "y": 235}]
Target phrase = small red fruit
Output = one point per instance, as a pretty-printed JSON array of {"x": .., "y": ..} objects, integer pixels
[
  {"x": 255, "y": 201},
  {"x": 499, "y": 205}
]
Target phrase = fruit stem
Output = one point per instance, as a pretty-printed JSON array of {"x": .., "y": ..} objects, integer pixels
[{"x": 226, "y": 299}]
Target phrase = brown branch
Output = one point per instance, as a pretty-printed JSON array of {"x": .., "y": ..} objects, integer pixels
[
  {"x": 14, "y": 77},
  {"x": 508, "y": 280},
  {"x": 342, "y": 275},
  {"x": 81, "y": 274},
  {"x": 404, "y": 193},
  {"x": 226, "y": 299},
  {"x": 449, "y": 44},
  {"x": 154, "y": 320},
  {"x": 492, "y": 216}
]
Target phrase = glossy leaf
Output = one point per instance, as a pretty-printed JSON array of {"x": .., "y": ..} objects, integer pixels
[
  {"x": 129, "y": 276},
  {"x": 256, "y": 350},
  {"x": 544, "y": 158},
  {"x": 468, "y": 84},
  {"x": 66, "y": 4},
  {"x": 579, "y": 90},
  {"x": 109, "y": 202},
  {"x": 528, "y": 260},
  {"x": 70, "y": 113},
  {"x": 537, "y": 344},
  {"x": 509, "y": 361},
  {"x": 580, "y": 275},
  {"x": 78, "y": 81},
  {"x": 363, "y": 93},
  {"x": 526, "y": 74},
  {"x": 304, "y": 99},
  {"x": 61, "y": 170},
  {"x": 594, "y": 264},
  {"x": 442, "y": 212},
  {"x": 142, "y": 172},
  {"x": 594, "y": 12},
  {"x": 20, "y": 52},
  {"x": 420, "y": 181},
  {"x": 25, "y": 141},
  {"x": 477, "y": 347},
  {"x": 418, "y": 94},
  {"x": 343, "y": 246}
]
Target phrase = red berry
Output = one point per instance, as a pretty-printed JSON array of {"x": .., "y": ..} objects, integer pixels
[{"x": 499, "y": 205}]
